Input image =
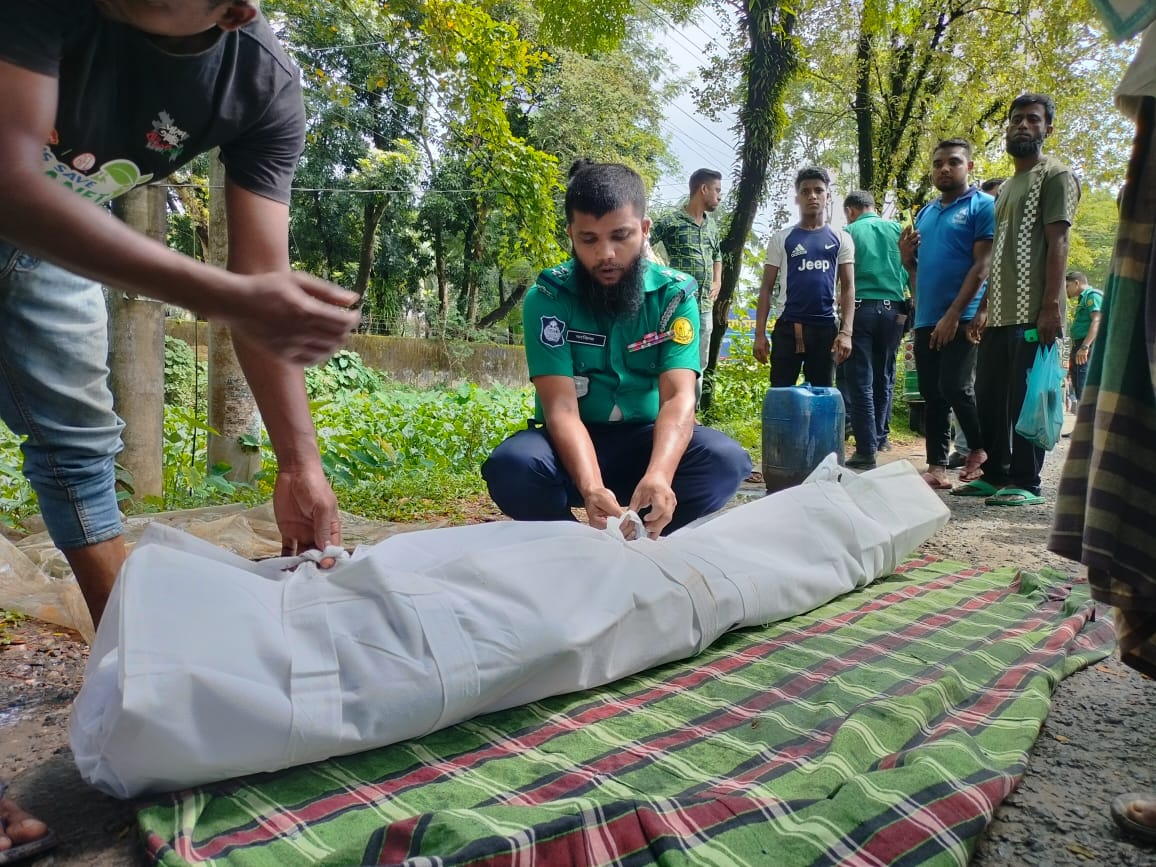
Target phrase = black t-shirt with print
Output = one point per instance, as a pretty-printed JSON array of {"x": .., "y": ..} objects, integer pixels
[{"x": 130, "y": 112}]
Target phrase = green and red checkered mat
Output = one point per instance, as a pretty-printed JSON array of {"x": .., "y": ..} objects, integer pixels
[{"x": 882, "y": 728}]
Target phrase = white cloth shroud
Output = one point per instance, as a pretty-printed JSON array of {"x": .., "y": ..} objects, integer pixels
[{"x": 207, "y": 666}]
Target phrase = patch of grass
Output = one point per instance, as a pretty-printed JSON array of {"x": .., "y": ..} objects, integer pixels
[{"x": 421, "y": 494}]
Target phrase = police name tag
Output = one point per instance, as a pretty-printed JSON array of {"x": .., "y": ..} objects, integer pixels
[{"x": 586, "y": 338}]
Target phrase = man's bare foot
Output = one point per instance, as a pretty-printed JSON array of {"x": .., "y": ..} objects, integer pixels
[{"x": 17, "y": 827}]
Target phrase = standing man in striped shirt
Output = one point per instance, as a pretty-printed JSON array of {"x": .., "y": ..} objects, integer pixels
[{"x": 1024, "y": 305}]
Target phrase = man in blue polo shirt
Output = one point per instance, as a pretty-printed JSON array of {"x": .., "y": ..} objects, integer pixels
[
  {"x": 808, "y": 336},
  {"x": 947, "y": 256}
]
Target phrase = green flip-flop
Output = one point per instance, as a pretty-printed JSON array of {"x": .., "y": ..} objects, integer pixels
[
  {"x": 1014, "y": 497},
  {"x": 975, "y": 488}
]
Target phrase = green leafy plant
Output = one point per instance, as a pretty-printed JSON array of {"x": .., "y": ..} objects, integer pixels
[
  {"x": 344, "y": 373},
  {"x": 185, "y": 377}
]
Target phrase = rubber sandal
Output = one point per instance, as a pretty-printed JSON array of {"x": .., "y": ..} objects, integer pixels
[
  {"x": 1014, "y": 497},
  {"x": 972, "y": 468},
  {"x": 975, "y": 488},
  {"x": 1127, "y": 823},
  {"x": 936, "y": 484},
  {"x": 30, "y": 849}
]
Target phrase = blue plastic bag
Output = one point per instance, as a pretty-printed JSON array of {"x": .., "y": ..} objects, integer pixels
[{"x": 1042, "y": 416}]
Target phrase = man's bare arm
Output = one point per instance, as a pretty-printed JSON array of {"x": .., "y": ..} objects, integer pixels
[{"x": 42, "y": 217}]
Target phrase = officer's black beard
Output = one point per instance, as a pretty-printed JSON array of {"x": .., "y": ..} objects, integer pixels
[{"x": 623, "y": 300}]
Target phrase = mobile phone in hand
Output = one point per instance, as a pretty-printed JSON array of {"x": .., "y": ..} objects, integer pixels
[{"x": 1032, "y": 335}]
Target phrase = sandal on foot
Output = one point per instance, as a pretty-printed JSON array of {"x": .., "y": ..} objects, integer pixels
[
  {"x": 937, "y": 484},
  {"x": 23, "y": 851},
  {"x": 972, "y": 467},
  {"x": 1014, "y": 497},
  {"x": 1121, "y": 814},
  {"x": 975, "y": 488}
]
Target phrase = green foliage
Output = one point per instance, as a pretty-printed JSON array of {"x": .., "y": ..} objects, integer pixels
[
  {"x": 740, "y": 384},
  {"x": 185, "y": 377},
  {"x": 417, "y": 495},
  {"x": 366, "y": 438},
  {"x": 345, "y": 372},
  {"x": 1093, "y": 236},
  {"x": 17, "y": 499},
  {"x": 8, "y": 619},
  {"x": 187, "y": 483}
]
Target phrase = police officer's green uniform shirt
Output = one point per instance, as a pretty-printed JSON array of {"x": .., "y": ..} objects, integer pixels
[
  {"x": 1089, "y": 302},
  {"x": 879, "y": 272},
  {"x": 614, "y": 382}
]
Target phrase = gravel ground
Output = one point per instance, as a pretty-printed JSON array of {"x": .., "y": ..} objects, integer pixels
[{"x": 1097, "y": 742}]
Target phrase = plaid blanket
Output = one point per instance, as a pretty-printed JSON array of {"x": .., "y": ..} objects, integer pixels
[
  {"x": 1106, "y": 507},
  {"x": 882, "y": 728}
]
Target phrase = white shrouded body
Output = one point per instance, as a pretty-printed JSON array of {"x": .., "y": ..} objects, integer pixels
[{"x": 207, "y": 666}]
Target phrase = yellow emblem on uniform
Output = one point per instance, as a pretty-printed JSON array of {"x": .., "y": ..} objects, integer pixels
[{"x": 681, "y": 330}]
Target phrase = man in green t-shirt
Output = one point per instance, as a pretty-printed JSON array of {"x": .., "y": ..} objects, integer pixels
[
  {"x": 867, "y": 377},
  {"x": 612, "y": 345},
  {"x": 1023, "y": 307},
  {"x": 1085, "y": 327}
]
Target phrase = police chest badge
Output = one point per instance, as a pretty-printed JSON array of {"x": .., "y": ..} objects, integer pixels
[
  {"x": 682, "y": 331},
  {"x": 553, "y": 331}
]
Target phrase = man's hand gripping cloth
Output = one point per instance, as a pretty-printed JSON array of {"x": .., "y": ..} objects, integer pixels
[{"x": 207, "y": 666}]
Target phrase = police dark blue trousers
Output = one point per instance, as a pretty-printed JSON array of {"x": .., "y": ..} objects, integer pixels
[
  {"x": 528, "y": 482},
  {"x": 867, "y": 377}
]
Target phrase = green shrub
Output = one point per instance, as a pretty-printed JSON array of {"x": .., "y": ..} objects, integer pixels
[
  {"x": 344, "y": 373},
  {"x": 186, "y": 378}
]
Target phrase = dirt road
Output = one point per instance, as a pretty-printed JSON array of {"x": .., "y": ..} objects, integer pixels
[{"x": 1098, "y": 741}]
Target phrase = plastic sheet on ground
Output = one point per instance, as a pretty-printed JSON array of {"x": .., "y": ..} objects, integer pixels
[{"x": 35, "y": 579}]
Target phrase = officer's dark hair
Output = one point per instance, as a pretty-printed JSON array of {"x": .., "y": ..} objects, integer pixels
[
  {"x": 1077, "y": 277},
  {"x": 991, "y": 183},
  {"x": 860, "y": 200},
  {"x": 1026, "y": 99},
  {"x": 703, "y": 176},
  {"x": 601, "y": 188},
  {"x": 952, "y": 143},
  {"x": 812, "y": 173}
]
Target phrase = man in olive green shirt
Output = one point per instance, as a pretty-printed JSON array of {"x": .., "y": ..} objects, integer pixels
[
  {"x": 1023, "y": 306},
  {"x": 691, "y": 241},
  {"x": 867, "y": 377},
  {"x": 612, "y": 344}
]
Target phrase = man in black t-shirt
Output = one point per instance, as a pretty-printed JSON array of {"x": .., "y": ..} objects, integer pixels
[{"x": 98, "y": 97}]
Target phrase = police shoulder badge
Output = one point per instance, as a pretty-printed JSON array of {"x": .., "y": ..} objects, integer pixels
[
  {"x": 553, "y": 331},
  {"x": 682, "y": 331}
]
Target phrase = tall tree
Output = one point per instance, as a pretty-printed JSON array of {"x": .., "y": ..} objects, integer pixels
[
  {"x": 766, "y": 52},
  {"x": 136, "y": 355},
  {"x": 232, "y": 408}
]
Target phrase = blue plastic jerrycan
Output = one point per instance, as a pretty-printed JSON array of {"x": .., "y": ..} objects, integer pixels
[{"x": 801, "y": 426}]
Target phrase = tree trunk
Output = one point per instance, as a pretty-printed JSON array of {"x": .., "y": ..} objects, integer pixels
[
  {"x": 440, "y": 271},
  {"x": 232, "y": 409},
  {"x": 505, "y": 308},
  {"x": 373, "y": 212},
  {"x": 136, "y": 356},
  {"x": 864, "y": 122},
  {"x": 772, "y": 62}
]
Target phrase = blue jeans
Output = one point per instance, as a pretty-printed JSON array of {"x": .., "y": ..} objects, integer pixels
[
  {"x": 527, "y": 481},
  {"x": 54, "y": 391},
  {"x": 867, "y": 377}
]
